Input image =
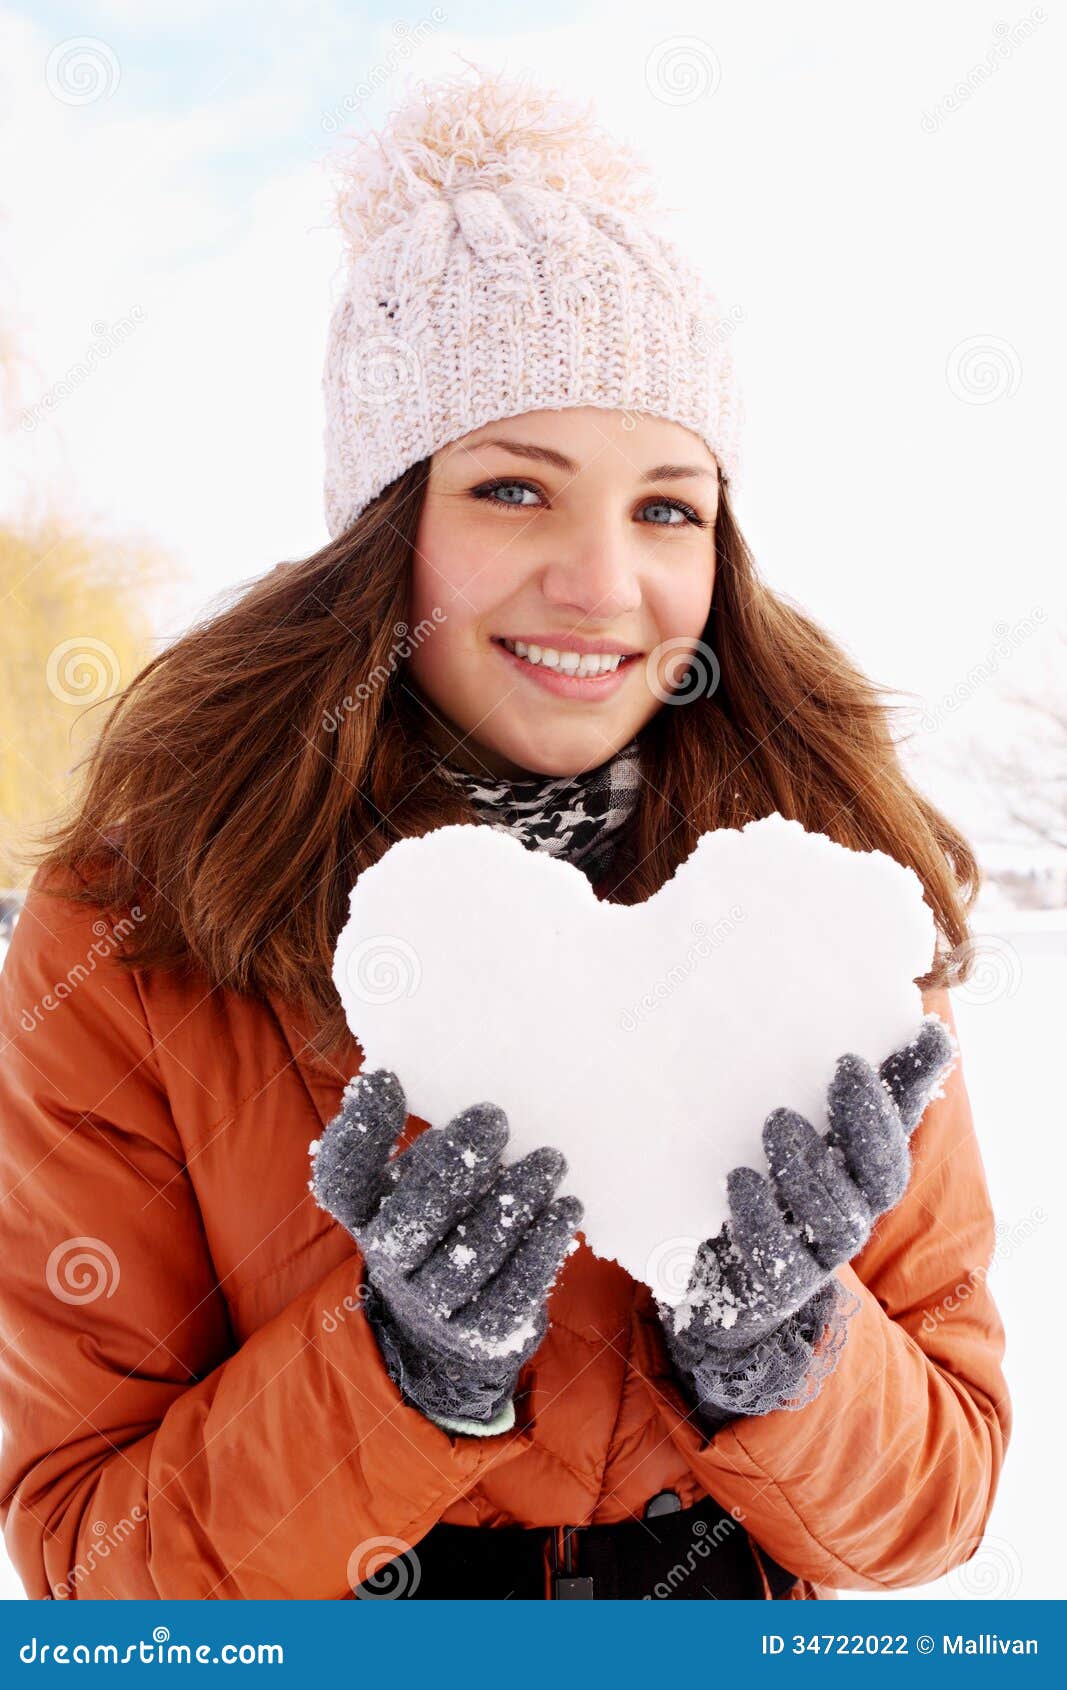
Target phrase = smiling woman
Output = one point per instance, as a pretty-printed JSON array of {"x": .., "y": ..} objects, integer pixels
[{"x": 532, "y": 429}]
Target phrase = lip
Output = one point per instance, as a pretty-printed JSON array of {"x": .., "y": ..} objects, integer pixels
[{"x": 591, "y": 688}]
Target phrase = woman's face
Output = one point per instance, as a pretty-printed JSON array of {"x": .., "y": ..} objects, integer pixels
[{"x": 571, "y": 532}]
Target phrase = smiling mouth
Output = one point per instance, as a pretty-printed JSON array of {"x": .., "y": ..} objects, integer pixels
[{"x": 560, "y": 661}]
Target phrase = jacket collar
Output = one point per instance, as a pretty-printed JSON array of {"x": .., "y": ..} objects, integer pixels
[{"x": 325, "y": 1077}]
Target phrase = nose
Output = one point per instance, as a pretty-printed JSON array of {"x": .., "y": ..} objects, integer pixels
[{"x": 594, "y": 574}]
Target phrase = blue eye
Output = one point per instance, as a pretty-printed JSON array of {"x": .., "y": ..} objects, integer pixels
[
  {"x": 687, "y": 513},
  {"x": 671, "y": 507},
  {"x": 491, "y": 488}
]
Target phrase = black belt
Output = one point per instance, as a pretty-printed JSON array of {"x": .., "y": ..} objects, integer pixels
[{"x": 698, "y": 1554}]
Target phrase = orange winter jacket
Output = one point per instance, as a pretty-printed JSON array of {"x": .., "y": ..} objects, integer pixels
[{"x": 194, "y": 1404}]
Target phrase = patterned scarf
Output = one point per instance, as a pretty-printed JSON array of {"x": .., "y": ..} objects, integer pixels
[{"x": 575, "y": 817}]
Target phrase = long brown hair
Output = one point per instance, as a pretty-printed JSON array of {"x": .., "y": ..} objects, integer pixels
[{"x": 252, "y": 770}]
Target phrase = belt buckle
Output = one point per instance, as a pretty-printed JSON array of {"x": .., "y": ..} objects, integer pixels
[
  {"x": 567, "y": 1584},
  {"x": 573, "y": 1587}
]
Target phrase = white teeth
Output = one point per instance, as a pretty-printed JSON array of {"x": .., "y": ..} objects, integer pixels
[{"x": 567, "y": 662}]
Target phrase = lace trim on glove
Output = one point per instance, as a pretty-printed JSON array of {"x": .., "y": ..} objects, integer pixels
[
  {"x": 426, "y": 1379},
  {"x": 784, "y": 1369}
]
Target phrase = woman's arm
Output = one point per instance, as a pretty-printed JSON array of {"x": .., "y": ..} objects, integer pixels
[
  {"x": 142, "y": 1456},
  {"x": 888, "y": 1477}
]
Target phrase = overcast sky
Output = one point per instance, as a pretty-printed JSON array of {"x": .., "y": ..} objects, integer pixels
[{"x": 871, "y": 193}]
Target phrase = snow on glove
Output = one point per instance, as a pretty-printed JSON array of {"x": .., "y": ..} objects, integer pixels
[
  {"x": 460, "y": 1253},
  {"x": 749, "y": 1333}
]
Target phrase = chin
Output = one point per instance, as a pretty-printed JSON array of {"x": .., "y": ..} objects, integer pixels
[{"x": 566, "y": 753}]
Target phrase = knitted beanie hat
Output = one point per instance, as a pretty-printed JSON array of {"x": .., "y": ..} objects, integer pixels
[{"x": 501, "y": 258}]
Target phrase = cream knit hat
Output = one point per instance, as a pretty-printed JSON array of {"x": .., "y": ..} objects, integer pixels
[{"x": 501, "y": 259}]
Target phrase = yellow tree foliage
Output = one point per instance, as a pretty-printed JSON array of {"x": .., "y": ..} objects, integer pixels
[{"x": 75, "y": 630}]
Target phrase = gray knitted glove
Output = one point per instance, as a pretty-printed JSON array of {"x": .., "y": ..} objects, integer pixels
[
  {"x": 752, "y": 1328},
  {"x": 460, "y": 1254}
]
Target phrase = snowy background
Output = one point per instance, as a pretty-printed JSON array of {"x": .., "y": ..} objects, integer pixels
[{"x": 870, "y": 195}]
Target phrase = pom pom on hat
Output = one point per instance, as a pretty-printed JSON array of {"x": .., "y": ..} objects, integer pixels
[
  {"x": 454, "y": 134},
  {"x": 502, "y": 258}
]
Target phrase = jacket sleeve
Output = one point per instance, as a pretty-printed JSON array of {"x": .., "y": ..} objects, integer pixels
[
  {"x": 887, "y": 1478},
  {"x": 144, "y": 1454}
]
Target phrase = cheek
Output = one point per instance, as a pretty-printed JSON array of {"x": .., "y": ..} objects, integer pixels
[
  {"x": 681, "y": 602},
  {"x": 455, "y": 567},
  {"x": 457, "y": 581}
]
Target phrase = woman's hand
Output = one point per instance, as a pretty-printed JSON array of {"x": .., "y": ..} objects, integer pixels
[
  {"x": 761, "y": 1291},
  {"x": 460, "y": 1253}
]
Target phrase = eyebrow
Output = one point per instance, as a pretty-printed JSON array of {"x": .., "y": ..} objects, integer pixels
[{"x": 548, "y": 455}]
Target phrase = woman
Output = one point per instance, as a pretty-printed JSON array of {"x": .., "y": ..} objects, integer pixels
[{"x": 216, "y": 1381}]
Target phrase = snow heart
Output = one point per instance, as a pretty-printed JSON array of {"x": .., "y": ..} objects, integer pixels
[{"x": 647, "y": 1042}]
